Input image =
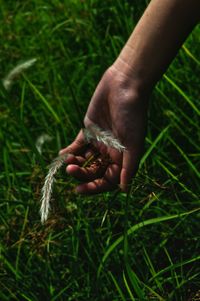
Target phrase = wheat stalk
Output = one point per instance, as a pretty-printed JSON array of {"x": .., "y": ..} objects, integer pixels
[
  {"x": 94, "y": 132},
  {"x": 8, "y": 80}
]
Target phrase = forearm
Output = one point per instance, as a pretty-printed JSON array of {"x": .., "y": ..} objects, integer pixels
[{"x": 156, "y": 39}]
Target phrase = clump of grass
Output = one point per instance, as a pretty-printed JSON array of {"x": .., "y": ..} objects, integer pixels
[{"x": 92, "y": 133}]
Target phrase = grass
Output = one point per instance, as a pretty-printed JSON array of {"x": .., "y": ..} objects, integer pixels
[{"x": 144, "y": 246}]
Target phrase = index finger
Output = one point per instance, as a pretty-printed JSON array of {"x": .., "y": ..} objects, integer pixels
[{"x": 77, "y": 147}]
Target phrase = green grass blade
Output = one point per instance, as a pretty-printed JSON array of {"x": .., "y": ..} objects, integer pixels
[
  {"x": 185, "y": 157},
  {"x": 135, "y": 282},
  {"x": 26, "y": 297},
  {"x": 21, "y": 240},
  {"x": 174, "y": 266},
  {"x": 182, "y": 93},
  {"x": 127, "y": 287},
  {"x": 45, "y": 102},
  {"x": 151, "y": 268},
  {"x": 159, "y": 298},
  {"x": 176, "y": 179},
  {"x": 57, "y": 297},
  {"x": 153, "y": 144},
  {"x": 174, "y": 274},
  {"x": 187, "y": 51},
  {"x": 10, "y": 267},
  {"x": 117, "y": 286}
]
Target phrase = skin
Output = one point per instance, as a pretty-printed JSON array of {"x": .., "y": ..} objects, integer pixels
[{"x": 120, "y": 101}]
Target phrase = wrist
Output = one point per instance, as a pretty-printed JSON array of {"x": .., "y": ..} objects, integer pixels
[
  {"x": 129, "y": 89},
  {"x": 133, "y": 77}
]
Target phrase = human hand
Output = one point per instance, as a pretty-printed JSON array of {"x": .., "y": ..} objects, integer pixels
[{"x": 117, "y": 106}]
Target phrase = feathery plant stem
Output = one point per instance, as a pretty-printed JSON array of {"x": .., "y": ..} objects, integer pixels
[
  {"x": 15, "y": 72},
  {"x": 48, "y": 186},
  {"x": 93, "y": 133}
]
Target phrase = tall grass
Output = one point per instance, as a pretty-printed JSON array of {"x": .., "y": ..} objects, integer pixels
[{"x": 144, "y": 246}]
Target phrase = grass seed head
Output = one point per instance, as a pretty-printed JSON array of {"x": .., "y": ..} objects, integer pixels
[
  {"x": 48, "y": 186},
  {"x": 95, "y": 133},
  {"x": 16, "y": 71}
]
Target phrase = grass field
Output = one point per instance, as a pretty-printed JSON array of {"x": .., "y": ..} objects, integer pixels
[{"x": 141, "y": 246}]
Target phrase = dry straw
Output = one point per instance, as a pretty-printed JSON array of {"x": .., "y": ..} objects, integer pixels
[{"x": 92, "y": 133}]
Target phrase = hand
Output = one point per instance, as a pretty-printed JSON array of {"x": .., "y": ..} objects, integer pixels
[{"x": 117, "y": 106}]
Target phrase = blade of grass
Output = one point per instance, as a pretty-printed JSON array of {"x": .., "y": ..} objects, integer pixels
[
  {"x": 153, "y": 144},
  {"x": 179, "y": 126},
  {"x": 177, "y": 110},
  {"x": 160, "y": 298},
  {"x": 117, "y": 286},
  {"x": 43, "y": 99},
  {"x": 174, "y": 274},
  {"x": 22, "y": 101},
  {"x": 26, "y": 297},
  {"x": 182, "y": 93},
  {"x": 128, "y": 288},
  {"x": 185, "y": 157},
  {"x": 61, "y": 292},
  {"x": 11, "y": 294},
  {"x": 135, "y": 282},
  {"x": 151, "y": 268},
  {"x": 21, "y": 240},
  {"x": 10, "y": 267},
  {"x": 6, "y": 166},
  {"x": 176, "y": 179},
  {"x": 174, "y": 266},
  {"x": 152, "y": 198},
  {"x": 187, "y": 51}
]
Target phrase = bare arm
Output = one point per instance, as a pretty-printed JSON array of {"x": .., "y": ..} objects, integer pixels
[{"x": 156, "y": 39}]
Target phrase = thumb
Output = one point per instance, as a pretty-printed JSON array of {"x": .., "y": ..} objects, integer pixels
[
  {"x": 129, "y": 168},
  {"x": 76, "y": 147}
]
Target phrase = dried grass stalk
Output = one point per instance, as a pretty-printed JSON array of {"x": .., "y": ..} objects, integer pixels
[
  {"x": 15, "y": 72},
  {"x": 95, "y": 133}
]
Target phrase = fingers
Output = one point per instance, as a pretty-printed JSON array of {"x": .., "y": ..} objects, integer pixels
[
  {"x": 95, "y": 187},
  {"x": 76, "y": 147},
  {"x": 96, "y": 182},
  {"x": 78, "y": 160},
  {"x": 86, "y": 174},
  {"x": 129, "y": 168}
]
